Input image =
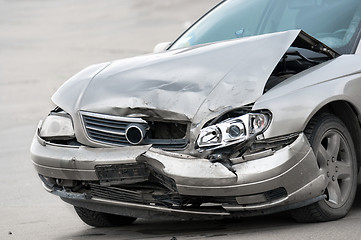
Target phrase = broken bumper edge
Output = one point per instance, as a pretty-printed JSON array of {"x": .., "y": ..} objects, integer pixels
[
  {"x": 292, "y": 169},
  {"x": 153, "y": 211}
]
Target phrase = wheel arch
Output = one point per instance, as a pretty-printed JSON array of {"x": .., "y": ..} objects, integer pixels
[{"x": 349, "y": 116}]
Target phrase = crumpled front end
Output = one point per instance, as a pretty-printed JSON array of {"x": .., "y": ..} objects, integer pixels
[
  {"x": 152, "y": 181},
  {"x": 185, "y": 143}
]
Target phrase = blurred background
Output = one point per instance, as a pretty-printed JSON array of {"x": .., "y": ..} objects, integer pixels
[{"x": 44, "y": 42}]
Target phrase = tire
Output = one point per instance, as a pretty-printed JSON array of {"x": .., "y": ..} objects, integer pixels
[
  {"x": 336, "y": 159},
  {"x": 100, "y": 219}
]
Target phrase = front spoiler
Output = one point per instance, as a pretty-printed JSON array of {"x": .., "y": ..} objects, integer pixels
[
  {"x": 293, "y": 168},
  {"x": 146, "y": 211}
]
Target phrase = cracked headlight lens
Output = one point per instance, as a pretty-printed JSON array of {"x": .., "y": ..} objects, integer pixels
[
  {"x": 57, "y": 126},
  {"x": 233, "y": 130}
]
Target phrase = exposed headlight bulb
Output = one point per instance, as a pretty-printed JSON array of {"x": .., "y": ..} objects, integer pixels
[{"x": 233, "y": 130}]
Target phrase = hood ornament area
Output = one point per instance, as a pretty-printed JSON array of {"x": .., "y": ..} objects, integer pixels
[{"x": 135, "y": 133}]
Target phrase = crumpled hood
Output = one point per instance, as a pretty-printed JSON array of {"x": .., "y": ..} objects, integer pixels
[{"x": 191, "y": 84}]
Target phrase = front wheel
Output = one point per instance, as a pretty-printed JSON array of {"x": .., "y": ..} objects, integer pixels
[
  {"x": 336, "y": 159},
  {"x": 100, "y": 219}
]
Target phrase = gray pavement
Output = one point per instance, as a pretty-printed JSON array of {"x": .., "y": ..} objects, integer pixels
[{"x": 43, "y": 43}]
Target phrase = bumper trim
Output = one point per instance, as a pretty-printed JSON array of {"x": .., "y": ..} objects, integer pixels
[
  {"x": 277, "y": 209},
  {"x": 158, "y": 208},
  {"x": 140, "y": 210},
  {"x": 69, "y": 196}
]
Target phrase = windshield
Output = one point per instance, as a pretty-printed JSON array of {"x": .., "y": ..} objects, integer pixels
[{"x": 333, "y": 22}]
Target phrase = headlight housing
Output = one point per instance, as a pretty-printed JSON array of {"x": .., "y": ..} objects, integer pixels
[
  {"x": 57, "y": 126},
  {"x": 233, "y": 130}
]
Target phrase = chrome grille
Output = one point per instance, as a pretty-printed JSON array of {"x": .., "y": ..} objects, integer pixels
[
  {"x": 108, "y": 129},
  {"x": 111, "y": 130}
]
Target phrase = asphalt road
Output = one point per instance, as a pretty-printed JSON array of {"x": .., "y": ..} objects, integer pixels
[{"x": 43, "y": 43}]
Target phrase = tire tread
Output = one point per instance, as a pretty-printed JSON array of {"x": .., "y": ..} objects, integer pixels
[{"x": 100, "y": 219}]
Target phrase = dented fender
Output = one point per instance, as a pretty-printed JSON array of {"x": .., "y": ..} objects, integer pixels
[{"x": 306, "y": 93}]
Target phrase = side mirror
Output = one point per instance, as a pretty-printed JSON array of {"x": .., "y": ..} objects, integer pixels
[{"x": 161, "y": 47}]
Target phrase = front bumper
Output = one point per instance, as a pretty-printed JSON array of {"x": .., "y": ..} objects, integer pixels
[{"x": 292, "y": 168}]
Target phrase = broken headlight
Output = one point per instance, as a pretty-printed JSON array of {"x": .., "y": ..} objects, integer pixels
[
  {"x": 57, "y": 126},
  {"x": 233, "y": 130}
]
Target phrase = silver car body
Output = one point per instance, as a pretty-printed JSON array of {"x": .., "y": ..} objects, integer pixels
[{"x": 192, "y": 86}]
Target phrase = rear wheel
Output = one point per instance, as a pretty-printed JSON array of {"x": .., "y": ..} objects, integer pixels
[
  {"x": 336, "y": 159},
  {"x": 100, "y": 219}
]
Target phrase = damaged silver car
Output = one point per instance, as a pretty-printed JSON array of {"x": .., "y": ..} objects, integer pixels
[{"x": 255, "y": 109}]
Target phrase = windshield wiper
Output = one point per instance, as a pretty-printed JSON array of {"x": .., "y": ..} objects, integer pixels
[{"x": 297, "y": 53}]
